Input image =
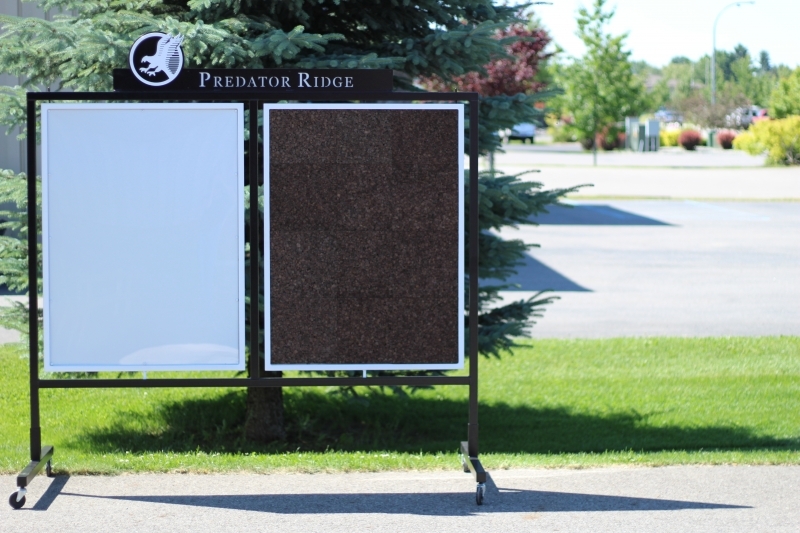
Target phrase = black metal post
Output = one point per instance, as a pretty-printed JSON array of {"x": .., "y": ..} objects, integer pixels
[
  {"x": 474, "y": 230},
  {"x": 255, "y": 341},
  {"x": 33, "y": 285}
]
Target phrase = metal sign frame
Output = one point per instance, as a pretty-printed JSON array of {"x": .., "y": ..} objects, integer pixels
[{"x": 41, "y": 456}]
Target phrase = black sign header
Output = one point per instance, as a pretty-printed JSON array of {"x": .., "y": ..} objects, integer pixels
[{"x": 265, "y": 80}]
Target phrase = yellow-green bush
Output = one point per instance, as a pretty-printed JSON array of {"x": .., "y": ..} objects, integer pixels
[
  {"x": 558, "y": 129},
  {"x": 669, "y": 137},
  {"x": 780, "y": 139}
]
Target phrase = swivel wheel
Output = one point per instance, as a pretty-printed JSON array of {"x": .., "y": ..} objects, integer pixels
[
  {"x": 480, "y": 493},
  {"x": 15, "y": 501}
]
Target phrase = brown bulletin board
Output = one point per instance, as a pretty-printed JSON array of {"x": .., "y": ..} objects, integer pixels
[{"x": 364, "y": 236}]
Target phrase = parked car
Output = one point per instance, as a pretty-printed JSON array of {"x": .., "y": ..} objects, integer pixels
[
  {"x": 523, "y": 132},
  {"x": 742, "y": 117},
  {"x": 761, "y": 115},
  {"x": 668, "y": 115}
]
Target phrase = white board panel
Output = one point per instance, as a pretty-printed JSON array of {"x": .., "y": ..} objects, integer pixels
[{"x": 143, "y": 236}]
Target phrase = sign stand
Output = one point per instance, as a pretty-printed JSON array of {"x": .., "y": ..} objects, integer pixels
[{"x": 41, "y": 455}]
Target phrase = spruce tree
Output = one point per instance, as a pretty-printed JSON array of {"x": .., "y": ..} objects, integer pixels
[{"x": 421, "y": 39}]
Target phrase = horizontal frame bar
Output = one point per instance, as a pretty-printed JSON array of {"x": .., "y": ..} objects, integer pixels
[
  {"x": 261, "y": 97},
  {"x": 34, "y": 467},
  {"x": 387, "y": 381}
]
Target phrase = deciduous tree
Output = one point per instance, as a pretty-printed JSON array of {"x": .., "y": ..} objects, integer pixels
[{"x": 600, "y": 88}]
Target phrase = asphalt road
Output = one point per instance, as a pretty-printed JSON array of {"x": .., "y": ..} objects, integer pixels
[
  {"x": 683, "y": 268},
  {"x": 672, "y": 499}
]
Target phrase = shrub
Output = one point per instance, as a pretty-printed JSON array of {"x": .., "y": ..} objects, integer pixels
[
  {"x": 669, "y": 137},
  {"x": 725, "y": 139},
  {"x": 780, "y": 139},
  {"x": 559, "y": 129},
  {"x": 690, "y": 139},
  {"x": 785, "y": 98},
  {"x": 609, "y": 138},
  {"x": 561, "y": 133}
]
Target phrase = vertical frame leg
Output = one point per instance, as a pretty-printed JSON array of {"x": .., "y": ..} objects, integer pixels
[
  {"x": 33, "y": 285},
  {"x": 474, "y": 230},
  {"x": 41, "y": 456},
  {"x": 254, "y": 157},
  {"x": 469, "y": 449}
]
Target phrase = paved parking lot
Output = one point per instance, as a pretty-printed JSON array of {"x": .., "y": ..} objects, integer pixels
[{"x": 684, "y": 268}]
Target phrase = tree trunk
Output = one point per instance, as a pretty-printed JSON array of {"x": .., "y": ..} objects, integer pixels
[{"x": 264, "y": 419}]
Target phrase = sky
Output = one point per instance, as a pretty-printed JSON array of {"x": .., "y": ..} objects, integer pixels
[{"x": 662, "y": 29}]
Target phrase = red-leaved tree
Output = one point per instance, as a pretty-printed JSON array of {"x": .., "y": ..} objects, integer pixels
[
  {"x": 510, "y": 93},
  {"x": 507, "y": 76}
]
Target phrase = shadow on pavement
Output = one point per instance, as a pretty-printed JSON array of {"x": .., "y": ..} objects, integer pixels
[
  {"x": 534, "y": 275},
  {"x": 430, "y": 504},
  {"x": 593, "y": 215},
  {"x": 5, "y": 291},
  {"x": 53, "y": 491}
]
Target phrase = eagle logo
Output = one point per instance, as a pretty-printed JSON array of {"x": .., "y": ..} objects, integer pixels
[{"x": 156, "y": 58}]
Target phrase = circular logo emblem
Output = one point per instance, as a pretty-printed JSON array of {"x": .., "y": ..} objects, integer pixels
[{"x": 156, "y": 58}]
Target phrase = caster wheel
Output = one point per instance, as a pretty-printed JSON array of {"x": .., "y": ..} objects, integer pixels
[
  {"x": 48, "y": 468},
  {"x": 12, "y": 500},
  {"x": 464, "y": 465},
  {"x": 479, "y": 493}
]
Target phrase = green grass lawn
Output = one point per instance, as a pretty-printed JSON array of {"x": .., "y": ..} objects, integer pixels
[{"x": 552, "y": 403}]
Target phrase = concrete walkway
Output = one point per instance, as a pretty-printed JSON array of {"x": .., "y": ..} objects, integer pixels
[
  {"x": 670, "y": 174},
  {"x": 571, "y": 154},
  {"x": 671, "y": 499}
]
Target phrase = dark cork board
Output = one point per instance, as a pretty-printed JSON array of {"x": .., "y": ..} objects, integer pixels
[{"x": 364, "y": 237}]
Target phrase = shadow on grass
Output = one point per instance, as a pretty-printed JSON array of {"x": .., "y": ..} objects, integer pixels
[{"x": 316, "y": 421}]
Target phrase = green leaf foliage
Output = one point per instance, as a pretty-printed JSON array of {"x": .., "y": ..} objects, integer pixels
[
  {"x": 14, "y": 249},
  {"x": 785, "y": 98}
]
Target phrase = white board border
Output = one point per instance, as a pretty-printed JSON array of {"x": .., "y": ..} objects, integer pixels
[
  {"x": 267, "y": 311},
  {"x": 45, "y": 109}
]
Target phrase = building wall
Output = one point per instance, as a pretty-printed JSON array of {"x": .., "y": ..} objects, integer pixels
[{"x": 12, "y": 151}]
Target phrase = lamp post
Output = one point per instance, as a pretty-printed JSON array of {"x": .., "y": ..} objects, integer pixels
[{"x": 714, "y": 51}]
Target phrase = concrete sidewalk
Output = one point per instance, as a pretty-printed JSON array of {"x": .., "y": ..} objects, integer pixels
[
  {"x": 674, "y": 175},
  {"x": 671, "y": 499},
  {"x": 571, "y": 154}
]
